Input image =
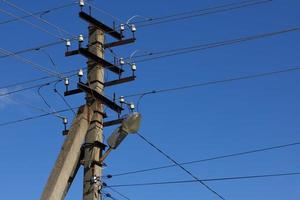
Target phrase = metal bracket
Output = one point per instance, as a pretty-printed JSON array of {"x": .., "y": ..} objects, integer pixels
[
  {"x": 97, "y": 59},
  {"x": 106, "y": 84},
  {"x": 97, "y": 144},
  {"x": 100, "y": 25},
  {"x": 65, "y": 132},
  {"x": 71, "y": 53},
  {"x": 113, "y": 122},
  {"x": 112, "y": 105},
  {"x": 72, "y": 92},
  {"x": 119, "y": 81},
  {"x": 119, "y": 43},
  {"x": 86, "y": 53}
]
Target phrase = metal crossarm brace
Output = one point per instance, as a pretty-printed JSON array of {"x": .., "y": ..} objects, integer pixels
[
  {"x": 112, "y": 105},
  {"x": 119, "y": 81},
  {"x": 72, "y": 53},
  {"x": 99, "y": 60},
  {"x": 72, "y": 92},
  {"x": 107, "y": 45},
  {"x": 86, "y": 53},
  {"x": 100, "y": 25},
  {"x": 106, "y": 84},
  {"x": 119, "y": 43},
  {"x": 113, "y": 122}
]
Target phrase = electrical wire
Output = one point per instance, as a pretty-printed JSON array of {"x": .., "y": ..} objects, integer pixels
[
  {"x": 47, "y": 104},
  {"x": 104, "y": 12},
  {"x": 31, "y": 106},
  {"x": 23, "y": 89},
  {"x": 180, "y": 166},
  {"x": 220, "y": 157},
  {"x": 35, "y": 117},
  {"x": 42, "y": 12},
  {"x": 59, "y": 42},
  {"x": 215, "y": 82},
  {"x": 108, "y": 195},
  {"x": 43, "y": 46},
  {"x": 33, "y": 25},
  {"x": 190, "y": 49},
  {"x": 66, "y": 74},
  {"x": 24, "y": 82},
  {"x": 207, "y": 180},
  {"x": 176, "y": 88},
  {"x": 201, "y": 12},
  {"x": 185, "y": 50},
  {"x": 33, "y": 64},
  {"x": 118, "y": 192},
  {"x": 50, "y": 58},
  {"x": 63, "y": 98},
  {"x": 59, "y": 29},
  {"x": 194, "y": 11},
  {"x": 44, "y": 100}
]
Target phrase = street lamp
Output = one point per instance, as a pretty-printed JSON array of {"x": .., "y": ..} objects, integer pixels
[{"x": 130, "y": 125}]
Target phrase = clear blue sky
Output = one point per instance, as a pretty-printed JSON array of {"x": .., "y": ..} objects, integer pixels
[{"x": 190, "y": 124}]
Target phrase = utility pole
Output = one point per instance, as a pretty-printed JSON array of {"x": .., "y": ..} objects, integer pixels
[
  {"x": 92, "y": 154},
  {"x": 84, "y": 141},
  {"x": 59, "y": 180}
]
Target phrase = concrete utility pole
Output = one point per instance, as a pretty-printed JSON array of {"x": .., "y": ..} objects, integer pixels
[
  {"x": 84, "y": 142},
  {"x": 93, "y": 153},
  {"x": 65, "y": 165}
]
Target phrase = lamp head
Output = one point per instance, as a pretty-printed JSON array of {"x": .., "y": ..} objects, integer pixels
[
  {"x": 129, "y": 125},
  {"x": 132, "y": 123}
]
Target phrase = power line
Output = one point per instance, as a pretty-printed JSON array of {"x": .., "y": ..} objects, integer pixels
[
  {"x": 32, "y": 24},
  {"x": 42, "y": 12},
  {"x": 33, "y": 86},
  {"x": 59, "y": 29},
  {"x": 109, "y": 196},
  {"x": 59, "y": 42},
  {"x": 23, "y": 89},
  {"x": 242, "y": 153},
  {"x": 47, "y": 104},
  {"x": 118, "y": 192},
  {"x": 63, "y": 98},
  {"x": 35, "y": 117},
  {"x": 201, "y": 12},
  {"x": 24, "y": 82},
  {"x": 43, "y": 46},
  {"x": 31, "y": 106},
  {"x": 180, "y": 166},
  {"x": 207, "y": 180},
  {"x": 70, "y": 73},
  {"x": 33, "y": 64},
  {"x": 179, "y": 51},
  {"x": 104, "y": 12},
  {"x": 184, "y": 50},
  {"x": 246, "y": 77},
  {"x": 176, "y": 88}
]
